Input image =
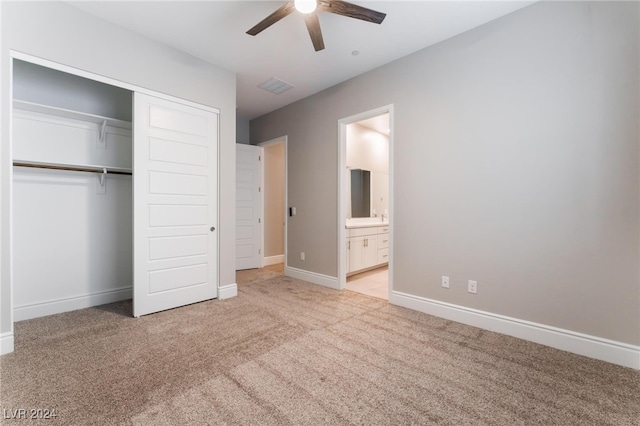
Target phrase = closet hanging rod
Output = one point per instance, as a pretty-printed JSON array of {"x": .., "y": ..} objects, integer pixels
[{"x": 73, "y": 168}]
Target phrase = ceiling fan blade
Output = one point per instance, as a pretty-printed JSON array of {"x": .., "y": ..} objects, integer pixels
[
  {"x": 313, "y": 26},
  {"x": 283, "y": 11},
  {"x": 351, "y": 10}
]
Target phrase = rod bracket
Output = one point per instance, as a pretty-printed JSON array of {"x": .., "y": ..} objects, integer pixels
[
  {"x": 102, "y": 137},
  {"x": 102, "y": 182}
]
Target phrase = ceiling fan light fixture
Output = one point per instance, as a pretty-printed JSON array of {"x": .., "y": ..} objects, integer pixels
[
  {"x": 310, "y": 9},
  {"x": 305, "y": 6}
]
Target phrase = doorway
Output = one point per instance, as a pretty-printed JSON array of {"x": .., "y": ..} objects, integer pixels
[
  {"x": 274, "y": 205},
  {"x": 366, "y": 202}
]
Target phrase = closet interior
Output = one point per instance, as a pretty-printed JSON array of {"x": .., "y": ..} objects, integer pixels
[{"x": 71, "y": 192}]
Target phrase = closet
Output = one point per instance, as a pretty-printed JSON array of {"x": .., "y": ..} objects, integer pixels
[
  {"x": 97, "y": 217},
  {"x": 72, "y": 208}
]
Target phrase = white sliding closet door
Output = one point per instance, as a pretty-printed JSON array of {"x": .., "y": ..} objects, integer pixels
[{"x": 175, "y": 204}]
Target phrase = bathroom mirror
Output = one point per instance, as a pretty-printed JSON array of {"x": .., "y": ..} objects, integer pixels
[
  {"x": 368, "y": 193},
  {"x": 360, "y": 193}
]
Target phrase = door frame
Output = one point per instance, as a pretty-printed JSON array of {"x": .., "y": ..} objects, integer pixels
[
  {"x": 275, "y": 141},
  {"x": 342, "y": 193},
  {"x": 7, "y": 162}
]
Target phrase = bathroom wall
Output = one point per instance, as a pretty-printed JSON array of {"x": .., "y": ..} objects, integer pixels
[{"x": 368, "y": 149}]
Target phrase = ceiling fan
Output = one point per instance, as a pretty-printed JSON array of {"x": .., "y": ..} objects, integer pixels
[{"x": 309, "y": 9}]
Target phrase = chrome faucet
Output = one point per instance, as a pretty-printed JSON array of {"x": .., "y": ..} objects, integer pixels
[{"x": 383, "y": 216}]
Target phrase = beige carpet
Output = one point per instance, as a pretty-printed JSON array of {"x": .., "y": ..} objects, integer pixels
[{"x": 288, "y": 352}]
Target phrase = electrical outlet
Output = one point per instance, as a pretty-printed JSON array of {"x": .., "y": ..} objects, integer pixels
[
  {"x": 473, "y": 287},
  {"x": 301, "y": 255},
  {"x": 445, "y": 281}
]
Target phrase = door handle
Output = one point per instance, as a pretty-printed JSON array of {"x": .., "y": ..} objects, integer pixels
[{"x": 213, "y": 228}]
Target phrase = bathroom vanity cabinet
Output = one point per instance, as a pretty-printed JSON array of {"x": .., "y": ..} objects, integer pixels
[{"x": 367, "y": 248}]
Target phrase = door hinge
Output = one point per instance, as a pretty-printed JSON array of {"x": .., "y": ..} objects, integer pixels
[
  {"x": 259, "y": 189},
  {"x": 259, "y": 158},
  {"x": 259, "y": 220},
  {"x": 259, "y": 251}
]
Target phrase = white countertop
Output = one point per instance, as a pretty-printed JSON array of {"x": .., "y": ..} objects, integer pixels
[{"x": 365, "y": 222}]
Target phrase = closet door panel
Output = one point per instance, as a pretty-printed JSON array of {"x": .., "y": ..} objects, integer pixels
[
  {"x": 165, "y": 117},
  {"x": 177, "y": 215},
  {"x": 175, "y": 204},
  {"x": 165, "y": 280},
  {"x": 162, "y": 248},
  {"x": 178, "y": 184},
  {"x": 177, "y": 152}
]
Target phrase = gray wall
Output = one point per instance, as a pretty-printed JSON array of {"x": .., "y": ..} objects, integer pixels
[
  {"x": 33, "y": 83},
  {"x": 516, "y": 165},
  {"x": 242, "y": 130},
  {"x": 63, "y": 34}
]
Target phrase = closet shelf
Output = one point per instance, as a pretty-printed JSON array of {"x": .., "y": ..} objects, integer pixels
[
  {"x": 67, "y": 113},
  {"x": 72, "y": 167}
]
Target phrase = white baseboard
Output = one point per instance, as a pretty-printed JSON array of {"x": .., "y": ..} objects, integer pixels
[
  {"x": 6, "y": 343},
  {"x": 312, "y": 277},
  {"x": 582, "y": 344},
  {"x": 227, "y": 291},
  {"x": 57, "y": 306},
  {"x": 274, "y": 260}
]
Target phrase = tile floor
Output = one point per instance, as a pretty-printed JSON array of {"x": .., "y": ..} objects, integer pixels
[{"x": 372, "y": 283}]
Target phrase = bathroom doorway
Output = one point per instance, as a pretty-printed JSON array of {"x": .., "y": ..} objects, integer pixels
[{"x": 365, "y": 205}]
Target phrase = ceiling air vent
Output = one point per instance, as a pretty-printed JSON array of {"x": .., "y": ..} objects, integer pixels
[{"x": 274, "y": 85}]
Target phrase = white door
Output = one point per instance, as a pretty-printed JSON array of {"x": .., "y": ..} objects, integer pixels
[
  {"x": 175, "y": 211},
  {"x": 248, "y": 206}
]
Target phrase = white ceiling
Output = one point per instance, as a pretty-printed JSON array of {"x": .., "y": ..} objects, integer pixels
[
  {"x": 216, "y": 32},
  {"x": 379, "y": 123}
]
